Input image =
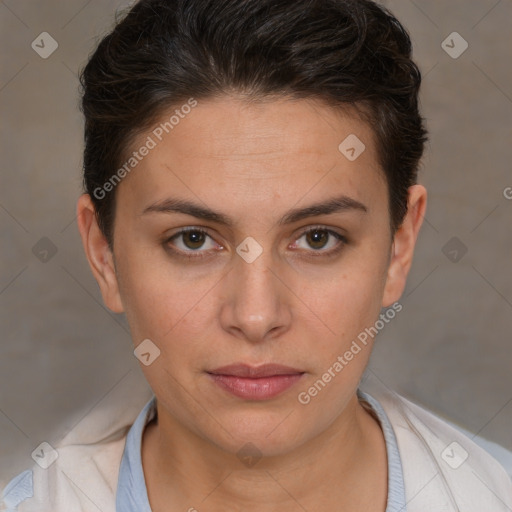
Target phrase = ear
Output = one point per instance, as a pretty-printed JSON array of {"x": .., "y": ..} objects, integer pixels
[
  {"x": 98, "y": 254},
  {"x": 404, "y": 241}
]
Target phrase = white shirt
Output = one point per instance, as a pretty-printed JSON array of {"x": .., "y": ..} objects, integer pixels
[{"x": 443, "y": 470}]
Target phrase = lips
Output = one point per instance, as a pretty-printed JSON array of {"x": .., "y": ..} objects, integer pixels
[
  {"x": 256, "y": 382},
  {"x": 265, "y": 370}
]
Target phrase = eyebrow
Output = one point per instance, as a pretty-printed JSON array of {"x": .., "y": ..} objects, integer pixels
[{"x": 336, "y": 204}]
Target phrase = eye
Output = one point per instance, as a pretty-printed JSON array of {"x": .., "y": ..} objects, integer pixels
[
  {"x": 322, "y": 240},
  {"x": 188, "y": 241},
  {"x": 194, "y": 242}
]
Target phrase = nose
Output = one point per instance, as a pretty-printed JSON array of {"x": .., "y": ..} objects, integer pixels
[{"x": 256, "y": 303}]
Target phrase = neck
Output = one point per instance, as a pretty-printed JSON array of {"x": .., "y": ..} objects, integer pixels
[{"x": 346, "y": 464}]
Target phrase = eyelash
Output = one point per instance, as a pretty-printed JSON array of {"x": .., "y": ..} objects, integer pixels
[{"x": 198, "y": 254}]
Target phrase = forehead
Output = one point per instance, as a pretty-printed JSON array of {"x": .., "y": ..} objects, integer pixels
[
  {"x": 281, "y": 148},
  {"x": 260, "y": 126}
]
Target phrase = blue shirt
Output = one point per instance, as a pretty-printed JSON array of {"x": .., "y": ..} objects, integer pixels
[{"x": 131, "y": 489}]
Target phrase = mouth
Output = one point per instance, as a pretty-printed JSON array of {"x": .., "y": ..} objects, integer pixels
[{"x": 256, "y": 382}]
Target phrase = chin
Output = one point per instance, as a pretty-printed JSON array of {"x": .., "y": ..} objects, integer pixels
[{"x": 267, "y": 434}]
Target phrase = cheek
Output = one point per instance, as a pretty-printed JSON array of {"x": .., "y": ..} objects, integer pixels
[
  {"x": 350, "y": 300},
  {"x": 146, "y": 294},
  {"x": 166, "y": 305},
  {"x": 349, "y": 306}
]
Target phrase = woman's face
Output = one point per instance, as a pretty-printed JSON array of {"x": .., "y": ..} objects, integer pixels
[{"x": 269, "y": 276}]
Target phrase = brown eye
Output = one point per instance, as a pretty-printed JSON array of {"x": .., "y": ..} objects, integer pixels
[
  {"x": 320, "y": 241},
  {"x": 317, "y": 238},
  {"x": 191, "y": 243},
  {"x": 193, "y": 239}
]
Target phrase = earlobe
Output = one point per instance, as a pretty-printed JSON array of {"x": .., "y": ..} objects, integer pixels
[
  {"x": 98, "y": 254},
  {"x": 404, "y": 242}
]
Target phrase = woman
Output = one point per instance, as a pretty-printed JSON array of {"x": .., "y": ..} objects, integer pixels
[{"x": 252, "y": 205}]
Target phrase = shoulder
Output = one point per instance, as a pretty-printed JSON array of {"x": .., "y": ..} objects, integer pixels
[
  {"x": 82, "y": 478},
  {"x": 441, "y": 465},
  {"x": 80, "y": 473}
]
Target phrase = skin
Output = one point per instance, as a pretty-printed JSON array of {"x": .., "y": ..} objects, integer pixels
[{"x": 292, "y": 305}]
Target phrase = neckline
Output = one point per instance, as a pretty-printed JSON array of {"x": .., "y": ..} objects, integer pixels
[{"x": 132, "y": 494}]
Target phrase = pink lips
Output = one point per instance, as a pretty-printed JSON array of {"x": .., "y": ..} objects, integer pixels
[{"x": 256, "y": 382}]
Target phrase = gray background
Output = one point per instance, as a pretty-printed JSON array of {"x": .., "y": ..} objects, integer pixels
[{"x": 449, "y": 349}]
